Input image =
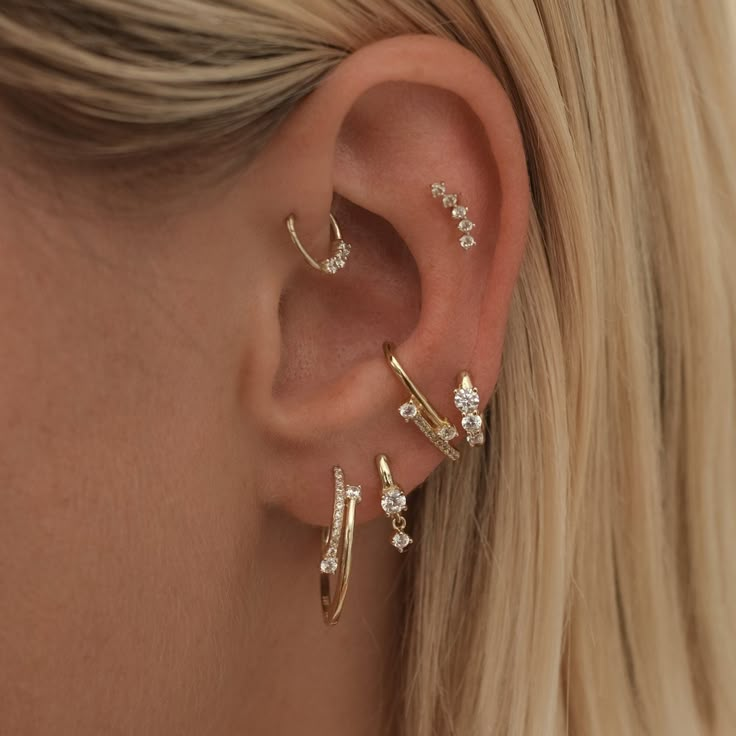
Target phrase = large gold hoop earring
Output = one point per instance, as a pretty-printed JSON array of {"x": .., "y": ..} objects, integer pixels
[
  {"x": 340, "y": 249},
  {"x": 337, "y": 548}
]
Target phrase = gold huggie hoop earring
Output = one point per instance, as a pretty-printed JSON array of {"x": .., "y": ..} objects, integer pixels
[
  {"x": 341, "y": 249},
  {"x": 458, "y": 212},
  {"x": 393, "y": 503},
  {"x": 337, "y": 548},
  {"x": 467, "y": 401},
  {"x": 438, "y": 430}
]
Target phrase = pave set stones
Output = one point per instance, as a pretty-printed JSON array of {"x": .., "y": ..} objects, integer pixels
[
  {"x": 338, "y": 259},
  {"x": 459, "y": 212},
  {"x": 343, "y": 495}
]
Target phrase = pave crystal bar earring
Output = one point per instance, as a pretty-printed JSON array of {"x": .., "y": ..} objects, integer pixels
[
  {"x": 467, "y": 400},
  {"x": 393, "y": 503},
  {"x": 438, "y": 430},
  {"x": 458, "y": 211},
  {"x": 337, "y": 548},
  {"x": 340, "y": 249}
]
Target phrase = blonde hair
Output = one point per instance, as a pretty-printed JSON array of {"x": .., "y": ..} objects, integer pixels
[{"x": 579, "y": 578}]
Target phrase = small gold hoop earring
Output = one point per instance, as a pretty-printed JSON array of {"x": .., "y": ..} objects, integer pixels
[
  {"x": 438, "y": 430},
  {"x": 393, "y": 503},
  {"x": 340, "y": 249},
  {"x": 337, "y": 548},
  {"x": 467, "y": 401}
]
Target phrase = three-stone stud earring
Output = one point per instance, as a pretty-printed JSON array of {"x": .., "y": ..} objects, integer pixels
[
  {"x": 340, "y": 249},
  {"x": 438, "y": 430},
  {"x": 467, "y": 401},
  {"x": 393, "y": 503},
  {"x": 458, "y": 211},
  {"x": 337, "y": 548}
]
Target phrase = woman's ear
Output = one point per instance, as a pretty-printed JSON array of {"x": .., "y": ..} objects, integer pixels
[{"x": 391, "y": 120}]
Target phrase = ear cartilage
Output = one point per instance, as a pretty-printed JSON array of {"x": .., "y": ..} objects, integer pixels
[
  {"x": 467, "y": 401},
  {"x": 458, "y": 211}
]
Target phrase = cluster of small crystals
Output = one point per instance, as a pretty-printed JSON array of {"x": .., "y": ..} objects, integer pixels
[
  {"x": 440, "y": 438},
  {"x": 338, "y": 260},
  {"x": 393, "y": 503},
  {"x": 328, "y": 564},
  {"x": 459, "y": 212},
  {"x": 467, "y": 401}
]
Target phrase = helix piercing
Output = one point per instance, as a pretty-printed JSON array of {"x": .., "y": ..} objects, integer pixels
[
  {"x": 458, "y": 211},
  {"x": 340, "y": 249},
  {"x": 337, "y": 548},
  {"x": 393, "y": 503},
  {"x": 438, "y": 430},
  {"x": 467, "y": 401}
]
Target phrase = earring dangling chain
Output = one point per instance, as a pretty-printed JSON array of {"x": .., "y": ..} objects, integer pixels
[
  {"x": 337, "y": 548},
  {"x": 393, "y": 503}
]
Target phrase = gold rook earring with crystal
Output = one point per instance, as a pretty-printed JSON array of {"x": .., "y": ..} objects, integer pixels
[
  {"x": 340, "y": 249},
  {"x": 438, "y": 430},
  {"x": 458, "y": 212},
  {"x": 393, "y": 503},
  {"x": 337, "y": 548},
  {"x": 467, "y": 401}
]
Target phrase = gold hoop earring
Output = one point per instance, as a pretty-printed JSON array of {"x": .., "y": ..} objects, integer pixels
[
  {"x": 393, "y": 503},
  {"x": 467, "y": 401},
  {"x": 438, "y": 430},
  {"x": 340, "y": 249},
  {"x": 337, "y": 548}
]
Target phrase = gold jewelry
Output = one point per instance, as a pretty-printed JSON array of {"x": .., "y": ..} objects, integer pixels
[
  {"x": 337, "y": 548},
  {"x": 393, "y": 503},
  {"x": 467, "y": 400},
  {"x": 340, "y": 249},
  {"x": 438, "y": 430},
  {"x": 458, "y": 211}
]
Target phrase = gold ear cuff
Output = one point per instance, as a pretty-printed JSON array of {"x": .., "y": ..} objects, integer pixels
[
  {"x": 438, "y": 430},
  {"x": 337, "y": 548},
  {"x": 340, "y": 249}
]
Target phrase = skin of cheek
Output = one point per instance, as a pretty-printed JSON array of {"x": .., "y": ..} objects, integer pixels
[{"x": 125, "y": 524}]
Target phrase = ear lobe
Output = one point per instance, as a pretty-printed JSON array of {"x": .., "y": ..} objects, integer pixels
[{"x": 396, "y": 117}]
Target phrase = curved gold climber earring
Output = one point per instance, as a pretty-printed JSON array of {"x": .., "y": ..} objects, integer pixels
[
  {"x": 340, "y": 249},
  {"x": 337, "y": 548}
]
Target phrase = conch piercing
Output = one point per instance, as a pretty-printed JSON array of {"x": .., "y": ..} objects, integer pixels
[
  {"x": 393, "y": 503},
  {"x": 458, "y": 211},
  {"x": 467, "y": 400},
  {"x": 337, "y": 548},
  {"x": 438, "y": 430},
  {"x": 340, "y": 249}
]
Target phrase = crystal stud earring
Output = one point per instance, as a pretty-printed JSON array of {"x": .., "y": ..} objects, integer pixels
[
  {"x": 467, "y": 401},
  {"x": 458, "y": 211}
]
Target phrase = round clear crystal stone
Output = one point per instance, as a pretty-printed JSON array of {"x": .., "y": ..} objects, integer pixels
[
  {"x": 393, "y": 502},
  {"x": 467, "y": 241},
  {"x": 328, "y": 565},
  {"x": 447, "y": 433},
  {"x": 438, "y": 189},
  {"x": 467, "y": 399},
  {"x": 459, "y": 212},
  {"x": 408, "y": 411},
  {"x": 401, "y": 540},
  {"x": 472, "y": 423},
  {"x": 475, "y": 439},
  {"x": 465, "y": 225},
  {"x": 354, "y": 493},
  {"x": 449, "y": 200}
]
